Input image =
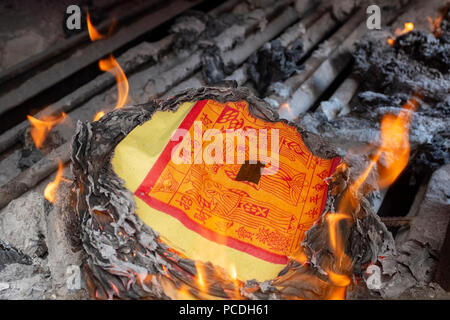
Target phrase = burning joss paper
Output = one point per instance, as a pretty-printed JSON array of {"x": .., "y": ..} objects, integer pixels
[{"x": 219, "y": 180}]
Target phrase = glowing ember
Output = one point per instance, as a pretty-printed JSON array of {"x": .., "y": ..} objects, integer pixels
[
  {"x": 112, "y": 66},
  {"x": 407, "y": 27},
  {"x": 50, "y": 189},
  {"x": 41, "y": 127}
]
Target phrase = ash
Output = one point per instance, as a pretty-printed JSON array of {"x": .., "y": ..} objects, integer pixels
[
  {"x": 273, "y": 63},
  {"x": 197, "y": 28},
  {"x": 417, "y": 63}
]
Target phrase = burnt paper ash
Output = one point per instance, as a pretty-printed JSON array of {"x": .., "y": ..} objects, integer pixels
[
  {"x": 195, "y": 27},
  {"x": 214, "y": 69},
  {"x": 418, "y": 63},
  {"x": 274, "y": 62},
  {"x": 405, "y": 68},
  {"x": 9, "y": 255}
]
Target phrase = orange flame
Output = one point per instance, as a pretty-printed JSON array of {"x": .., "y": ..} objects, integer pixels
[
  {"x": 50, "y": 189},
  {"x": 93, "y": 32},
  {"x": 200, "y": 277},
  {"x": 41, "y": 127},
  {"x": 407, "y": 27},
  {"x": 335, "y": 239},
  {"x": 112, "y": 66},
  {"x": 236, "y": 282},
  {"x": 99, "y": 115},
  {"x": 391, "y": 158}
]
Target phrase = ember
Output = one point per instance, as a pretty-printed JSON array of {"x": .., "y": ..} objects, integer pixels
[{"x": 407, "y": 27}]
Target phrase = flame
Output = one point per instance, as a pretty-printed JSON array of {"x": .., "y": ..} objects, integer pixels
[
  {"x": 338, "y": 279},
  {"x": 41, "y": 127},
  {"x": 407, "y": 27},
  {"x": 233, "y": 272},
  {"x": 94, "y": 35},
  {"x": 49, "y": 192},
  {"x": 111, "y": 65},
  {"x": 99, "y": 115},
  {"x": 287, "y": 107},
  {"x": 300, "y": 256},
  {"x": 200, "y": 279},
  {"x": 390, "y": 159},
  {"x": 236, "y": 282},
  {"x": 333, "y": 231}
]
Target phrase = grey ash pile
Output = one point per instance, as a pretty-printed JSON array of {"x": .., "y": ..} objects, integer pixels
[
  {"x": 417, "y": 63},
  {"x": 197, "y": 28},
  {"x": 274, "y": 62}
]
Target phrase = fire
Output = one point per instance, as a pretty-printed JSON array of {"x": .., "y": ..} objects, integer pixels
[
  {"x": 287, "y": 108},
  {"x": 200, "y": 279},
  {"x": 50, "y": 189},
  {"x": 390, "y": 159},
  {"x": 333, "y": 230},
  {"x": 407, "y": 27},
  {"x": 99, "y": 115},
  {"x": 236, "y": 282},
  {"x": 338, "y": 279},
  {"x": 93, "y": 32},
  {"x": 111, "y": 65},
  {"x": 41, "y": 127}
]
